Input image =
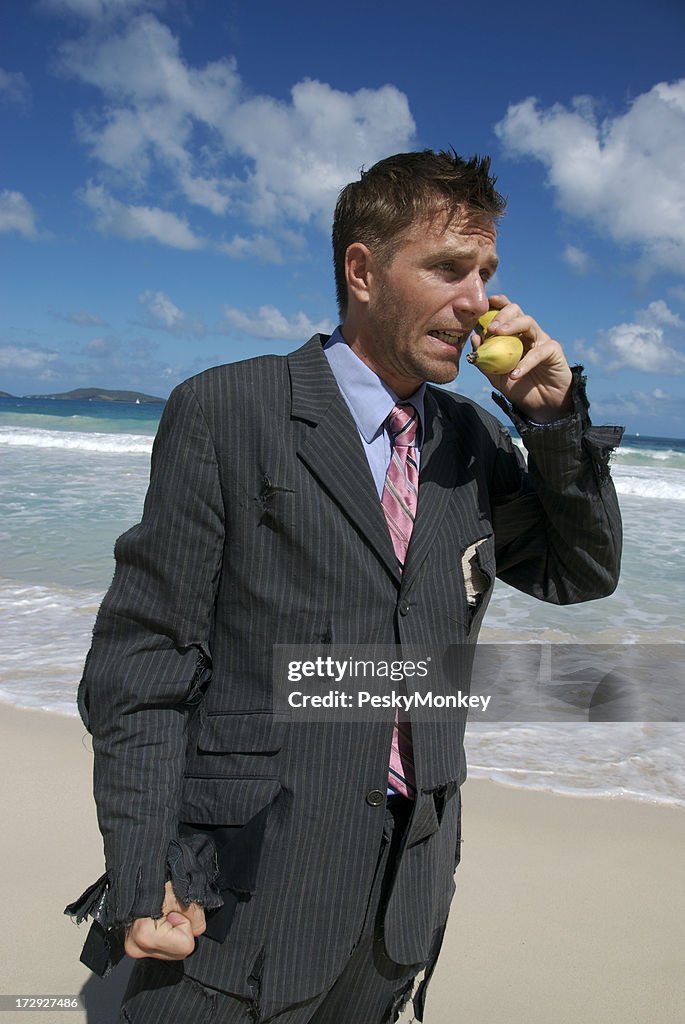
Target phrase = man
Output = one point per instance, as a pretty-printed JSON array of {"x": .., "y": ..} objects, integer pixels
[{"x": 285, "y": 507}]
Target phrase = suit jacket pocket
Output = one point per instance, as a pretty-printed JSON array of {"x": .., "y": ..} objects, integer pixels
[
  {"x": 234, "y": 812},
  {"x": 225, "y": 801},
  {"x": 241, "y": 733},
  {"x": 241, "y": 745}
]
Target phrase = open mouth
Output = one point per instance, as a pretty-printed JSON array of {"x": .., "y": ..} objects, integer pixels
[{"x": 454, "y": 338}]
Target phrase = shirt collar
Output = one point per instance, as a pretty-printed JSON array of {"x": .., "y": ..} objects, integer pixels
[{"x": 370, "y": 400}]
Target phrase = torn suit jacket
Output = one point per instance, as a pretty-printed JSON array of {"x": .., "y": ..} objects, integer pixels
[{"x": 262, "y": 526}]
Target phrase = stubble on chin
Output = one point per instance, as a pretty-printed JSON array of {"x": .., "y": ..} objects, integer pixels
[{"x": 440, "y": 372}]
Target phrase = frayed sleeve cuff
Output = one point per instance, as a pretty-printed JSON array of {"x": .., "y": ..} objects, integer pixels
[
  {"x": 575, "y": 429},
  {"x": 578, "y": 414},
  {"x": 193, "y": 871}
]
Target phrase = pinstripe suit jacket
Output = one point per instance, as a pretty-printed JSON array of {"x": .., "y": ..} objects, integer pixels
[{"x": 262, "y": 526}]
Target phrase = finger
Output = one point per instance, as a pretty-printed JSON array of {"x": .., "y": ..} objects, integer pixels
[
  {"x": 546, "y": 351},
  {"x": 196, "y": 916},
  {"x": 525, "y": 365},
  {"x": 512, "y": 320},
  {"x": 192, "y": 911},
  {"x": 498, "y": 301},
  {"x": 175, "y": 919}
]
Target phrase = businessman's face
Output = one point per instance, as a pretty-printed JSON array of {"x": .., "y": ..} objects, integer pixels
[{"x": 422, "y": 305}]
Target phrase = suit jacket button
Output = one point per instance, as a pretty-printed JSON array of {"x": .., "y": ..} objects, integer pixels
[
  {"x": 375, "y": 797},
  {"x": 404, "y": 608}
]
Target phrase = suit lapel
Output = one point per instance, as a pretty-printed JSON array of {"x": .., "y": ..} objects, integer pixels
[{"x": 333, "y": 450}]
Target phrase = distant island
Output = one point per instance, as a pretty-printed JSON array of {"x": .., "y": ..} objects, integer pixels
[{"x": 101, "y": 395}]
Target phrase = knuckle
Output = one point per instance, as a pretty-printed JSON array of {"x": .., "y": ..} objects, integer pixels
[{"x": 133, "y": 950}]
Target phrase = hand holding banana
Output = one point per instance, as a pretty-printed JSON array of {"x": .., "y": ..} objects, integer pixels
[
  {"x": 496, "y": 353},
  {"x": 522, "y": 361}
]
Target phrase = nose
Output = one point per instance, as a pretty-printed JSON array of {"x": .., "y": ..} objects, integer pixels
[{"x": 471, "y": 301}]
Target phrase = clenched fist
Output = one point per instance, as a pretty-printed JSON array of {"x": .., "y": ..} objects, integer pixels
[{"x": 169, "y": 937}]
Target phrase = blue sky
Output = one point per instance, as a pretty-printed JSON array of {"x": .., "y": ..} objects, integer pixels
[{"x": 169, "y": 169}]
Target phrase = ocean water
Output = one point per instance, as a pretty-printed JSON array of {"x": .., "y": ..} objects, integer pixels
[{"x": 73, "y": 477}]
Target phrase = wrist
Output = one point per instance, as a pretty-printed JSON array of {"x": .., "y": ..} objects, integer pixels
[
  {"x": 546, "y": 416},
  {"x": 575, "y": 403}
]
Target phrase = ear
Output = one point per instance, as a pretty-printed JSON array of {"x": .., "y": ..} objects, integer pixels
[{"x": 358, "y": 272}]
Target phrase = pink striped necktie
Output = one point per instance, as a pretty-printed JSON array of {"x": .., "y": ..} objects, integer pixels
[{"x": 400, "y": 499}]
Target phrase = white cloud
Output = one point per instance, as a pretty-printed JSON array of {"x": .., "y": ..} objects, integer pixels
[
  {"x": 678, "y": 293},
  {"x": 658, "y": 312},
  {"x": 577, "y": 259},
  {"x": 643, "y": 345},
  {"x": 287, "y": 245},
  {"x": 269, "y": 322},
  {"x": 22, "y": 357},
  {"x": 162, "y": 314},
  {"x": 260, "y": 245},
  {"x": 161, "y": 309},
  {"x": 101, "y": 347},
  {"x": 82, "y": 318},
  {"x": 99, "y": 10},
  {"x": 17, "y": 214},
  {"x": 216, "y": 147},
  {"x": 14, "y": 87},
  {"x": 155, "y": 106},
  {"x": 212, "y": 193},
  {"x": 116, "y": 218},
  {"x": 305, "y": 151},
  {"x": 622, "y": 173}
]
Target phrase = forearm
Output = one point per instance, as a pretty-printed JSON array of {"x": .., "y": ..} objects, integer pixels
[
  {"x": 560, "y": 537},
  {"x": 146, "y": 672},
  {"x": 139, "y": 749}
]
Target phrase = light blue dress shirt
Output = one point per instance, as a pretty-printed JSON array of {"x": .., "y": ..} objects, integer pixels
[{"x": 370, "y": 401}]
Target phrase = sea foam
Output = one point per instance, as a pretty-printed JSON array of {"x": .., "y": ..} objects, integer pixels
[{"x": 15, "y": 437}]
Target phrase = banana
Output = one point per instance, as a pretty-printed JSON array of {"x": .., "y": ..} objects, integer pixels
[
  {"x": 499, "y": 353},
  {"x": 486, "y": 319}
]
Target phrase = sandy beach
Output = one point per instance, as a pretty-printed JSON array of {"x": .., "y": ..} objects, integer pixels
[{"x": 567, "y": 909}]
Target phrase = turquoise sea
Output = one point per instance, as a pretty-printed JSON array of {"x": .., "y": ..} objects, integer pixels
[{"x": 73, "y": 477}]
